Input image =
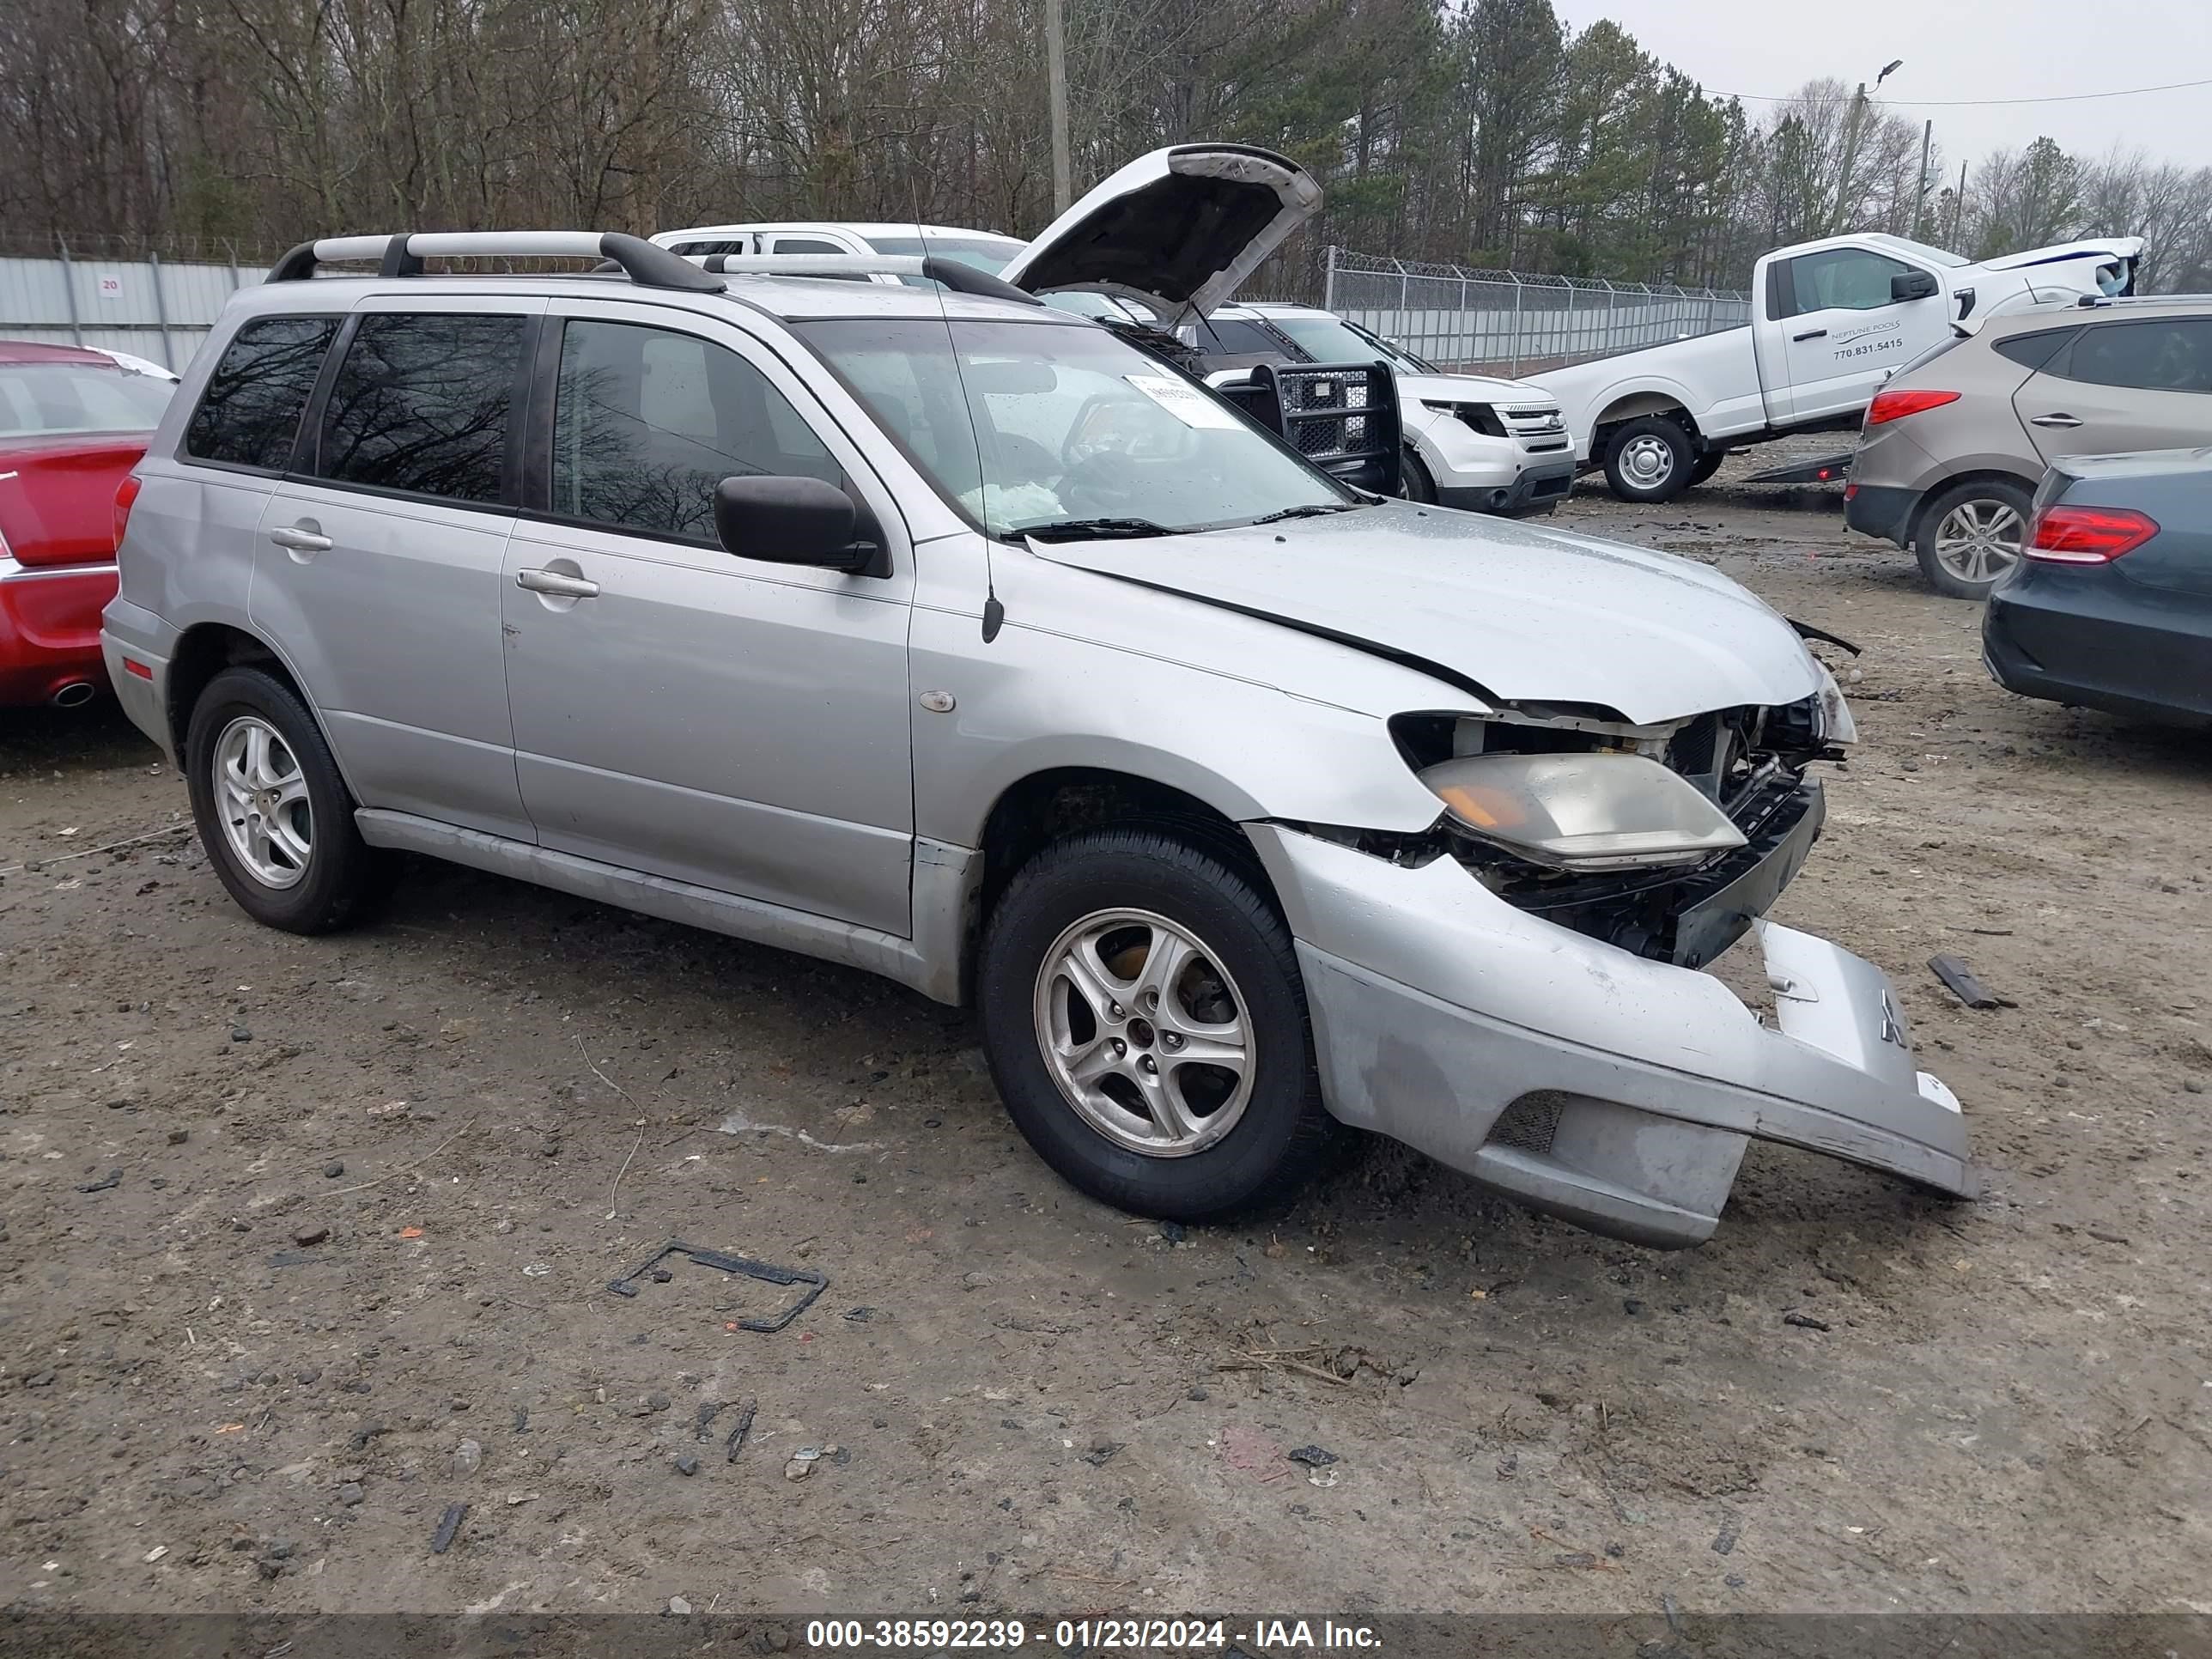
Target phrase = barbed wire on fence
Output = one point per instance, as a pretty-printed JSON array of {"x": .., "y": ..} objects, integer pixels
[{"x": 1468, "y": 318}]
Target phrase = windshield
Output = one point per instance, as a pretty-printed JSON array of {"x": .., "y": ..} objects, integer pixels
[
  {"x": 1040, "y": 424},
  {"x": 988, "y": 255},
  {"x": 50, "y": 400},
  {"x": 1332, "y": 340}
]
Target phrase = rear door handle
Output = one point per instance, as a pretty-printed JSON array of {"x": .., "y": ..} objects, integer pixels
[
  {"x": 1811, "y": 334},
  {"x": 299, "y": 541},
  {"x": 553, "y": 582},
  {"x": 2052, "y": 420}
]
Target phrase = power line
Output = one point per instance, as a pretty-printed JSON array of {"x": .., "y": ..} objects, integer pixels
[{"x": 1978, "y": 103}]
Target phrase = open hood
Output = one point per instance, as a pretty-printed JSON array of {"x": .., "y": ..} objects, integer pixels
[
  {"x": 1178, "y": 228},
  {"x": 1526, "y": 614}
]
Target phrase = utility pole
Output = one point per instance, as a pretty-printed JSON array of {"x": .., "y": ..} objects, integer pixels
[
  {"x": 1920, "y": 181},
  {"x": 1958, "y": 207},
  {"x": 1055, "y": 67},
  {"x": 1853, "y": 116}
]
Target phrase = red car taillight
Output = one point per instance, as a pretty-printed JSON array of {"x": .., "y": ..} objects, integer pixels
[
  {"x": 126, "y": 493},
  {"x": 2088, "y": 535},
  {"x": 1895, "y": 405}
]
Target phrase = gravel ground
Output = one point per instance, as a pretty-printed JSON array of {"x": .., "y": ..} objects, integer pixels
[{"x": 307, "y": 1241}]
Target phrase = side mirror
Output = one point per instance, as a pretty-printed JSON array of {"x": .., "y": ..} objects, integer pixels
[
  {"x": 1912, "y": 285},
  {"x": 797, "y": 520}
]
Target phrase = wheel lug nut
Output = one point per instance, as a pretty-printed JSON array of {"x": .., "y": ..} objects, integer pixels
[
  {"x": 1171, "y": 1040},
  {"x": 1115, "y": 1010},
  {"x": 1120, "y": 1048},
  {"x": 1146, "y": 1063}
]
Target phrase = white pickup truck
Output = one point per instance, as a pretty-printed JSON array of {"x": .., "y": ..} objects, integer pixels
[{"x": 1830, "y": 320}]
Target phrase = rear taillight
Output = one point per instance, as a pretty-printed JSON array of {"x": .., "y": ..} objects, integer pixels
[
  {"x": 126, "y": 493},
  {"x": 2088, "y": 535},
  {"x": 1895, "y": 405}
]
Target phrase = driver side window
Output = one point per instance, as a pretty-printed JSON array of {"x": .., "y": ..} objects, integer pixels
[
  {"x": 1845, "y": 278},
  {"x": 647, "y": 421}
]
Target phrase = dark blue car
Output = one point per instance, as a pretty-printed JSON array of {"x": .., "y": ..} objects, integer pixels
[{"x": 2112, "y": 607}]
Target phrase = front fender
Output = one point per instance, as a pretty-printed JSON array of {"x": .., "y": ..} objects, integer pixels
[{"x": 1037, "y": 699}]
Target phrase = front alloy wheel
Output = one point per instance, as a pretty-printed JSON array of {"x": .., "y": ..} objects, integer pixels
[
  {"x": 1146, "y": 1022},
  {"x": 1144, "y": 1033}
]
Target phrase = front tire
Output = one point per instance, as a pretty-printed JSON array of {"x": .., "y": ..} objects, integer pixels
[
  {"x": 1415, "y": 483},
  {"x": 1970, "y": 537},
  {"x": 1648, "y": 460},
  {"x": 272, "y": 812},
  {"x": 1146, "y": 1022},
  {"x": 1707, "y": 465}
]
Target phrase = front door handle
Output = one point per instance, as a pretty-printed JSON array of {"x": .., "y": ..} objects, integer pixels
[
  {"x": 553, "y": 582},
  {"x": 2052, "y": 420},
  {"x": 300, "y": 540},
  {"x": 1811, "y": 334}
]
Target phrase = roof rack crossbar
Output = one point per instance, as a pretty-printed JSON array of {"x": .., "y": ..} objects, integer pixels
[{"x": 402, "y": 255}]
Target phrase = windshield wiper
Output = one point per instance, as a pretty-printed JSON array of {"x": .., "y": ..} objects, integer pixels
[
  {"x": 1313, "y": 510},
  {"x": 1071, "y": 529}
]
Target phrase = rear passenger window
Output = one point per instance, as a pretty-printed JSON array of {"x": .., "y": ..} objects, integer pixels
[
  {"x": 647, "y": 422},
  {"x": 250, "y": 413},
  {"x": 2172, "y": 355},
  {"x": 421, "y": 405}
]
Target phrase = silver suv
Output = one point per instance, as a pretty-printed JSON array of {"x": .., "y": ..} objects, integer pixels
[
  {"x": 1953, "y": 446},
  {"x": 951, "y": 637}
]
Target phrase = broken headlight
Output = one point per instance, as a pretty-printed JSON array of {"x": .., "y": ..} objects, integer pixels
[{"x": 1581, "y": 811}]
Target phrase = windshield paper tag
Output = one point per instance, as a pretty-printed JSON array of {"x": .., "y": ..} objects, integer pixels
[{"x": 1182, "y": 400}]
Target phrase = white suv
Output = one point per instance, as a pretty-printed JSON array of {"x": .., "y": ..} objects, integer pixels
[{"x": 1486, "y": 445}]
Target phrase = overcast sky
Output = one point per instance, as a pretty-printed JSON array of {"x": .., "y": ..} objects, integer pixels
[{"x": 1955, "y": 49}]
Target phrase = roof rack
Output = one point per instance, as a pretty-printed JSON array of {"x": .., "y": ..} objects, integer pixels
[
  {"x": 402, "y": 255},
  {"x": 960, "y": 279}
]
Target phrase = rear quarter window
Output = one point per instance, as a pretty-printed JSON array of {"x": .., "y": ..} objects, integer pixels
[
  {"x": 2035, "y": 350},
  {"x": 249, "y": 415},
  {"x": 2167, "y": 353}
]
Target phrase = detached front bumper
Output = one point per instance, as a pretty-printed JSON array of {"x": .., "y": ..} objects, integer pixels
[{"x": 1586, "y": 1081}]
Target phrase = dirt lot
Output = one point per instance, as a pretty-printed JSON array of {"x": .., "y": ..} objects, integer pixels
[{"x": 372, "y": 1188}]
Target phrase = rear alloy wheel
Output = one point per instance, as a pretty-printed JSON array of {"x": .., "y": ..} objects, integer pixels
[
  {"x": 272, "y": 812},
  {"x": 1648, "y": 460},
  {"x": 1146, "y": 1022},
  {"x": 1969, "y": 538}
]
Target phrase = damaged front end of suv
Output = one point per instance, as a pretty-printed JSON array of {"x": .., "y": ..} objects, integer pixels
[{"x": 1531, "y": 1013}]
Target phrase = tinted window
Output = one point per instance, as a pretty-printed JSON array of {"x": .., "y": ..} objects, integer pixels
[
  {"x": 1845, "y": 278},
  {"x": 250, "y": 412},
  {"x": 2168, "y": 356},
  {"x": 647, "y": 422},
  {"x": 421, "y": 405},
  {"x": 2033, "y": 350},
  {"x": 729, "y": 245},
  {"x": 806, "y": 244}
]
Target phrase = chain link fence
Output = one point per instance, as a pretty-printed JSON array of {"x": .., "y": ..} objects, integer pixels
[{"x": 1503, "y": 322}]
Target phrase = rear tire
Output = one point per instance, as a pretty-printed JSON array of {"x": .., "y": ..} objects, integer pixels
[
  {"x": 1707, "y": 465},
  {"x": 1648, "y": 460},
  {"x": 273, "y": 813},
  {"x": 1085, "y": 1049},
  {"x": 1969, "y": 538}
]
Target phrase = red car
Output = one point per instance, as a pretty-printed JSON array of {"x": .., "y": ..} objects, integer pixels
[{"x": 72, "y": 425}]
